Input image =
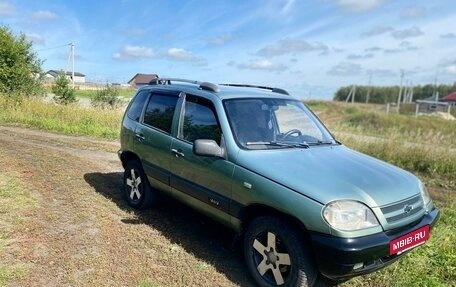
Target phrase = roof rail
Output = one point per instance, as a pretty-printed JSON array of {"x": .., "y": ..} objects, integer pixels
[
  {"x": 274, "y": 90},
  {"x": 202, "y": 85}
]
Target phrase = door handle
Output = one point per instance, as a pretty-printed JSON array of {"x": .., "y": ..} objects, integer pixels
[
  {"x": 140, "y": 137},
  {"x": 178, "y": 153}
]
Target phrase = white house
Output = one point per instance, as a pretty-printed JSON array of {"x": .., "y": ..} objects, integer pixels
[{"x": 50, "y": 76}]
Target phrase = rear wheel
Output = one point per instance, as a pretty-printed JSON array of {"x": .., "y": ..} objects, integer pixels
[
  {"x": 276, "y": 255},
  {"x": 137, "y": 190}
]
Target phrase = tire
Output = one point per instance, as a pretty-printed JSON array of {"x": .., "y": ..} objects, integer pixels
[
  {"x": 137, "y": 189},
  {"x": 276, "y": 254}
]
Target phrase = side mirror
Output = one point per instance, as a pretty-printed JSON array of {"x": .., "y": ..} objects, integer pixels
[{"x": 207, "y": 148}]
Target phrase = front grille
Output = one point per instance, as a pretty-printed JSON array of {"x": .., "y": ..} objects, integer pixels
[{"x": 404, "y": 209}]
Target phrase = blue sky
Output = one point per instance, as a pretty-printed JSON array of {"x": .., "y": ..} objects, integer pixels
[{"x": 309, "y": 47}]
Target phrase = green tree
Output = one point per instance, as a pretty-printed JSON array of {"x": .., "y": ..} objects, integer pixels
[
  {"x": 107, "y": 98},
  {"x": 63, "y": 94},
  {"x": 19, "y": 66}
]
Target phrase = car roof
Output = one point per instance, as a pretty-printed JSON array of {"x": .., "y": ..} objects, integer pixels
[{"x": 221, "y": 91}]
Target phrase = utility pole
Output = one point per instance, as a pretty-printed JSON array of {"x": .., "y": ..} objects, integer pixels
[
  {"x": 400, "y": 91},
  {"x": 351, "y": 94},
  {"x": 368, "y": 88},
  {"x": 435, "y": 93},
  {"x": 72, "y": 60},
  {"x": 71, "y": 57}
]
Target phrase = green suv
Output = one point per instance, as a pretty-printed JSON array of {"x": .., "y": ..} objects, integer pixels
[{"x": 259, "y": 161}]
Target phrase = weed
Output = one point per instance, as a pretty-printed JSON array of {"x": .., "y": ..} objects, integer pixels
[{"x": 69, "y": 119}]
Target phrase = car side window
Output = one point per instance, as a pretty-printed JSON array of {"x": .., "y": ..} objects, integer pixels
[
  {"x": 136, "y": 107},
  {"x": 200, "y": 120},
  {"x": 160, "y": 111}
]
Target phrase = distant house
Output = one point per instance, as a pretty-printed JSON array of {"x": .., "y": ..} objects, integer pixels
[
  {"x": 450, "y": 99},
  {"x": 50, "y": 76},
  {"x": 140, "y": 80}
]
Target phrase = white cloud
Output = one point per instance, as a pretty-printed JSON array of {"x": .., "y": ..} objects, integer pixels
[
  {"x": 381, "y": 73},
  {"x": 179, "y": 54},
  {"x": 448, "y": 36},
  {"x": 43, "y": 15},
  {"x": 449, "y": 66},
  {"x": 35, "y": 38},
  {"x": 129, "y": 53},
  {"x": 7, "y": 9},
  {"x": 291, "y": 46},
  {"x": 360, "y": 57},
  {"x": 407, "y": 33},
  {"x": 413, "y": 12},
  {"x": 345, "y": 69},
  {"x": 220, "y": 40},
  {"x": 373, "y": 49},
  {"x": 451, "y": 69},
  {"x": 359, "y": 5},
  {"x": 287, "y": 7},
  {"x": 377, "y": 31},
  {"x": 263, "y": 65},
  {"x": 393, "y": 51}
]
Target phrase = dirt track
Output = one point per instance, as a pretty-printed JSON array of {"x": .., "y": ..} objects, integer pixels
[{"x": 82, "y": 233}]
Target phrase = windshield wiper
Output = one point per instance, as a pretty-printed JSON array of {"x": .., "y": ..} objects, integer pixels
[
  {"x": 279, "y": 144},
  {"x": 320, "y": 142}
]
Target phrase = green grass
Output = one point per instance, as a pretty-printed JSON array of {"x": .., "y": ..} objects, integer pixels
[
  {"x": 13, "y": 200},
  {"x": 90, "y": 94},
  {"x": 70, "y": 119}
]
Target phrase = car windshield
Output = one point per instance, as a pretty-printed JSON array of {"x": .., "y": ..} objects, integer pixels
[{"x": 263, "y": 123}]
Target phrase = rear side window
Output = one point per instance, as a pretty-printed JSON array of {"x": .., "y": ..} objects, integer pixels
[
  {"x": 160, "y": 111},
  {"x": 136, "y": 107},
  {"x": 200, "y": 121}
]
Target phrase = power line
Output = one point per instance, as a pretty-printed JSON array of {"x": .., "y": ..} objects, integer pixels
[{"x": 50, "y": 48}]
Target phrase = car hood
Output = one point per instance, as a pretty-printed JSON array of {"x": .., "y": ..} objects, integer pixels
[{"x": 327, "y": 173}]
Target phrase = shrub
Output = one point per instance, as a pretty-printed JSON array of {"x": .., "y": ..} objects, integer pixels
[
  {"x": 107, "y": 98},
  {"x": 63, "y": 94}
]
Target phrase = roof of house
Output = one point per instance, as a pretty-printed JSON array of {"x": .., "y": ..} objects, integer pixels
[
  {"x": 450, "y": 98},
  {"x": 431, "y": 99},
  {"x": 55, "y": 73},
  {"x": 142, "y": 78}
]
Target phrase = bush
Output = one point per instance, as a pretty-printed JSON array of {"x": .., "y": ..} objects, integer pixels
[
  {"x": 63, "y": 94},
  {"x": 107, "y": 98},
  {"x": 19, "y": 66}
]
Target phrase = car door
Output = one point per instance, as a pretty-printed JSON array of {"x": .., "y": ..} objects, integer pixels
[
  {"x": 154, "y": 137},
  {"x": 203, "y": 182}
]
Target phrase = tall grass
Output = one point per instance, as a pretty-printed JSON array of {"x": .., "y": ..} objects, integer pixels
[
  {"x": 424, "y": 145},
  {"x": 13, "y": 201},
  {"x": 90, "y": 94},
  {"x": 70, "y": 119}
]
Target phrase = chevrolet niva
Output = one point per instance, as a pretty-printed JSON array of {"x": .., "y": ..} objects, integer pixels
[{"x": 259, "y": 161}]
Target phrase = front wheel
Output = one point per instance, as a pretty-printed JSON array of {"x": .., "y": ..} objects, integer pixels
[
  {"x": 138, "y": 192},
  {"x": 276, "y": 255}
]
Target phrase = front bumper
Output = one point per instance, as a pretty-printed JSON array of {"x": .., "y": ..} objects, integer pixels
[{"x": 337, "y": 257}]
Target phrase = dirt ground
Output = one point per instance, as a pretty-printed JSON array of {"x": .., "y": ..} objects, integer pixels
[{"x": 82, "y": 233}]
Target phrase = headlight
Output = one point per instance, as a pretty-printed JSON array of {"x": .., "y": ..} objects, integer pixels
[
  {"x": 424, "y": 194},
  {"x": 349, "y": 215}
]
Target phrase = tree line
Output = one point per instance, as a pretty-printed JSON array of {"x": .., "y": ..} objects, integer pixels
[{"x": 389, "y": 94}]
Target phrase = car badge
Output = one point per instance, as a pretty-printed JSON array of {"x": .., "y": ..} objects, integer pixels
[{"x": 407, "y": 208}]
